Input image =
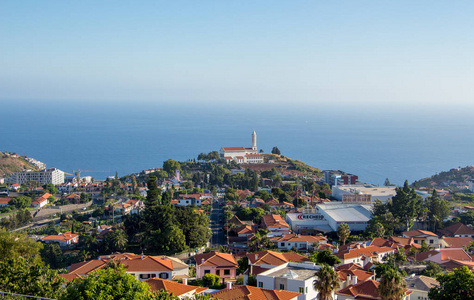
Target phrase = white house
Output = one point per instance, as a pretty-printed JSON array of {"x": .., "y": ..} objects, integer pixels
[{"x": 294, "y": 277}]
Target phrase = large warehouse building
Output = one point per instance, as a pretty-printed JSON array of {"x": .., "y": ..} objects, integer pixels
[{"x": 327, "y": 217}]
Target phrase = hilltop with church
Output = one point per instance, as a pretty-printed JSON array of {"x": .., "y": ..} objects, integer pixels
[{"x": 242, "y": 155}]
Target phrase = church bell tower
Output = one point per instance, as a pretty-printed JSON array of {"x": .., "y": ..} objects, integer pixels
[{"x": 254, "y": 141}]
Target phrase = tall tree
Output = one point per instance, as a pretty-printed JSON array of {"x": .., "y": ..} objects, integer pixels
[
  {"x": 109, "y": 283},
  {"x": 438, "y": 210},
  {"x": 171, "y": 166},
  {"x": 343, "y": 232},
  {"x": 404, "y": 205},
  {"x": 326, "y": 283},
  {"x": 392, "y": 285},
  {"x": 29, "y": 276},
  {"x": 153, "y": 193},
  {"x": 454, "y": 285}
]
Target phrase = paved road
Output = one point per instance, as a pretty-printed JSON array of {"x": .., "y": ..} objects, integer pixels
[{"x": 216, "y": 224}]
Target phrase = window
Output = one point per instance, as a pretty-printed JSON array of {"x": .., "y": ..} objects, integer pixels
[
  {"x": 260, "y": 284},
  {"x": 306, "y": 290},
  {"x": 282, "y": 244},
  {"x": 164, "y": 275},
  {"x": 226, "y": 272},
  {"x": 144, "y": 276},
  {"x": 207, "y": 271},
  {"x": 431, "y": 241},
  {"x": 282, "y": 286},
  {"x": 301, "y": 290}
]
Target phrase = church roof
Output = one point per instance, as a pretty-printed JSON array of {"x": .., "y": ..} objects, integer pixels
[{"x": 233, "y": 148}]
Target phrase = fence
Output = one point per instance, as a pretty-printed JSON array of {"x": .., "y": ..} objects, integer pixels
[{"x": 6, "y": 295}]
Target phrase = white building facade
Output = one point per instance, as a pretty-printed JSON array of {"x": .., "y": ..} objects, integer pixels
[
  {"x": 294, "y": 277},
  {"x": 53, "y": 175},
  {"x": 243, "y": 155}
]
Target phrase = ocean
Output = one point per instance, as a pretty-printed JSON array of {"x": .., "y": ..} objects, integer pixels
[{"x": 399, "y": 143}]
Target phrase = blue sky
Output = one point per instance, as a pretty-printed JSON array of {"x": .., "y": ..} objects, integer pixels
[{"x": 297, "y": 52}]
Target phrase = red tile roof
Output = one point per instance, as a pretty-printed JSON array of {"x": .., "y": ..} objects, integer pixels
[
  {"x": 457, "y": 229},
  {"x": 215, "y": 258},
  {"x": 273, "y": 258},
  {"x": 42, "y": 198},
  {"x": 364, "y": 289},
  {"x": 414, "y": 233},
  {"x": 369, "y": 251},
  {"x": 67, "y": 236},
  {"x": 245, "y": 292},
  {"x": 5, "y": 200},
  {"x": 233, "y": 148},
  {"x": 458, "y": 242},
  {"x": 177, "y": 289},
  {"x": 274, "y": 221}
]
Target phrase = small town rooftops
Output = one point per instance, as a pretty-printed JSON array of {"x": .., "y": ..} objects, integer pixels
[{"x": 293, "y": 237}]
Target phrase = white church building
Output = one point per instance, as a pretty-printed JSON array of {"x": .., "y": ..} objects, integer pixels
[{"x": 242, "y": 155}]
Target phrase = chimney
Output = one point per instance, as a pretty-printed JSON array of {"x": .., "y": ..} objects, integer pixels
[
  {"x": 229, "y": 285},
  {"x": 142, "y": 256},
  {"x": 256, "y": 257},
  {"x": 354, "y": 280},
  {"x": 202, "y": 260},
  {"x": 364, "y": 245},
  {"x": 358, "y": 246},
  {"x": 349, "y": 279},
  {"x": 185, "y": 281}
]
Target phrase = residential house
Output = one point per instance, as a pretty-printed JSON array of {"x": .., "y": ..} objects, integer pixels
[
  {"x": 142, "y": 267},
  {"x": 364, "y": 290},
  {"x": 443, "y": 255},
  {"x": 123, "y": 209},
  {"x": 64, "y": 240},
  {"x": 73, "y": 198},
  {"x": 457, "y": 264},
  {"x": 294, "y": 277},
  {"x": 298, "y": 241},
  {"x": 363, "y": 254},
  {"x": 457, "y": 230},
  {"x": 246, "y": 292},
  {"x": 420, "y": 286},
  {"x": 41, "y": 200},
  {"x": 420, "y": 236},
  {"x": 214, "y": 262},
  {"x": 182, "y": 291},
  {"x": 264, "y": 260},
  {"x": 4, "y": 201},
  {"x": 350, "y": 273},
  {"x": 275, "y": 225}
]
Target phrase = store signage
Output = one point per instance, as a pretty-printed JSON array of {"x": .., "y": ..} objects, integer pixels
[{"x": 310, "y": 217}]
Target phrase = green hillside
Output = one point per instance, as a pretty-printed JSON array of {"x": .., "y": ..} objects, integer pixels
[{"x": 10, "y": 164}]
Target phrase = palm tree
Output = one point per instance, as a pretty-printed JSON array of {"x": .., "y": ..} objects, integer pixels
[
  {"x": 392, "y": 285},
  {"x": 326, "y": 283},
  {"x": 343, "y": 232}
]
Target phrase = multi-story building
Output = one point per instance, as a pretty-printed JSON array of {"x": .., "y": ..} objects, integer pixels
[
  {"x": 294, "y": 277},
  {"x": 53, "y": 175}
]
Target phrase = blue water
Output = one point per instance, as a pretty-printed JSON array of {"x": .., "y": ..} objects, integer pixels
[{"x": 372, "y": 142}]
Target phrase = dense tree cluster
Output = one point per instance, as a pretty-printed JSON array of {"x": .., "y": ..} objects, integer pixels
[{"x": 404, "y": 208}]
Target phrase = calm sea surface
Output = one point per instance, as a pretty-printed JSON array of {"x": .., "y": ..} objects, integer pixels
[{"x": 373, "y": 143}]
